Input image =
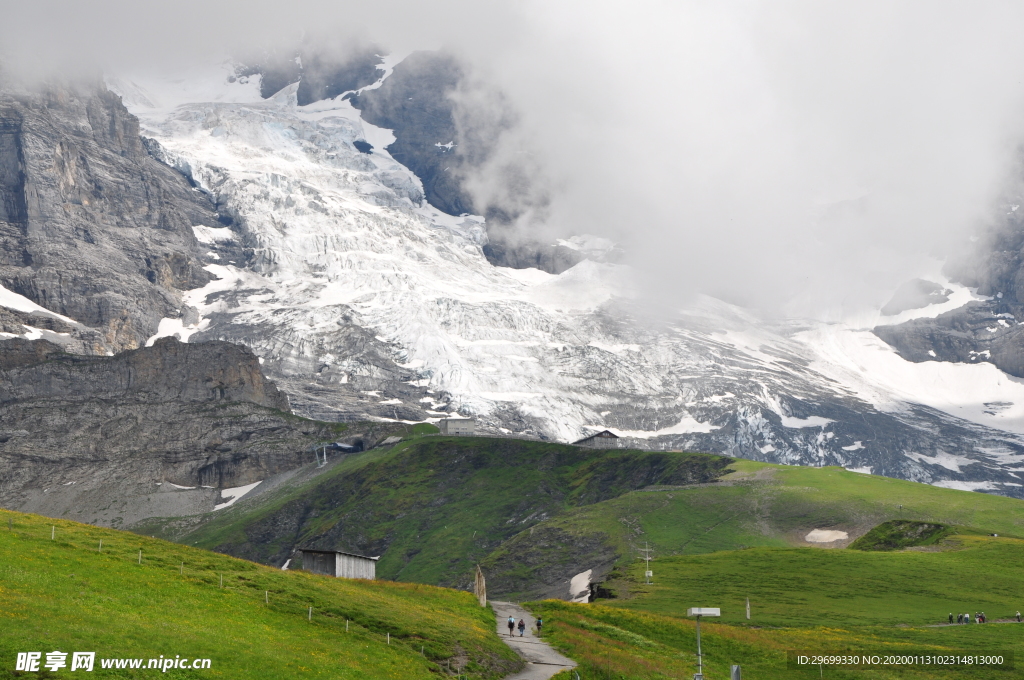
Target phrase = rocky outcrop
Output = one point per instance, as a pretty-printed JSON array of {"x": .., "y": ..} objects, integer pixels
[
  {"x": 92, "y": 437},
  {"x": 975, "y": 333},
  {"x": 416, "y": 103},
  {"x": 93, "y": 227},
  {"x": 169, "y": 371}
]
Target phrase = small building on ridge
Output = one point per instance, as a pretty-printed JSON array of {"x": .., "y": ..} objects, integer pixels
[
  {"x": 601, "y": 440},
  {"x": 457, "y": 426}
]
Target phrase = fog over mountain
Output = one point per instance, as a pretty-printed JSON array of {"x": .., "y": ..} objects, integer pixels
[
  {"x": 772, "y": 230},
  {"x": 789, "y": 156}
]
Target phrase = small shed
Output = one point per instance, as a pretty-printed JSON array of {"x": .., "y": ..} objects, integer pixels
[
  {"x": 457, "y": 426},
  {"x": 601, "y": 440},
  {"x": 339, "y": 564}
]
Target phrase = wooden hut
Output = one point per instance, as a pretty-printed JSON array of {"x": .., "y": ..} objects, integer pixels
[{"x": 339, "y": 564}]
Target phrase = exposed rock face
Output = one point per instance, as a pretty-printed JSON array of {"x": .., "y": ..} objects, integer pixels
[
  {"x": 982, "y": 331},
  {"x": 319, "y": 75},
  {"x": 416, "y": 103},
  {"x": 976, "y": 332},
  {"x": 91, "y": 226},
  {"x": 92, "y": 438},
  {"x": 442, "y": 145},
  {"x": 167, "y": 371},
  {"x": 553, "y": 258}
]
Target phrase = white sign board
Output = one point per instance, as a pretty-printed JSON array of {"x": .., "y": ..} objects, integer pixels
[
  {"x": 703, "y": 611},
  {"x": 648, "y": 574}
]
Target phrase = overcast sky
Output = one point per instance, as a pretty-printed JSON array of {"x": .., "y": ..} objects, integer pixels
[{"x": 802, "y": 153}]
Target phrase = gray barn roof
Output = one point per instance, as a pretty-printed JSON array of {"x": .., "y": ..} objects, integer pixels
[
  {"x": 338, "y": 552},
  {"x": 603, "y": 434}
]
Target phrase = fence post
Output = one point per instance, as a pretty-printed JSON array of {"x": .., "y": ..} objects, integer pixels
[
  {"x": 140, "y": 557},
  {"x": 101, "y": 546},
  {"x": 266, "y": 597},
  {"x": 53, "y": 530},
  {"x": 181, "y": 569},
  {"x": 222, "y": 580},
  {"x": 310, "y": 613}
]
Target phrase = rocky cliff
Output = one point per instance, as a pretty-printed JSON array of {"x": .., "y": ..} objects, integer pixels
[
  {"x": 988, "y": 329},
  {"x": 111, "y": 440},
  {"x": 92, "y": 227}
]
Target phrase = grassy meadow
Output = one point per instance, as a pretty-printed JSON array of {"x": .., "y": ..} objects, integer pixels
[
  {"x": 809, "y": 599},
  {"x": 716, "y": 545},
  {"x": 64, "y": 594},
  {"x": 766, "y": 505}
]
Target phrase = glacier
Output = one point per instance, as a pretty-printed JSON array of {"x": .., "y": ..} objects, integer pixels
[{"x": 362, "y": 300}]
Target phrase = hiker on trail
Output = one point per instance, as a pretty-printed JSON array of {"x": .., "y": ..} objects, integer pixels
[
  {"x": 540, "y": 622},
  {"x": 511, "y": 625},
  {"x": 1018, "y": 616},
  {"x": 951, "y": 617},
  {"x": 959, "y": 618},
  {"x": 522, "y": 627}
]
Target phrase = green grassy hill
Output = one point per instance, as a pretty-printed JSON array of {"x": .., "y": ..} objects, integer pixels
[
  {"x": 849, "y": 601},
  {"x": 807, "y": 586},
  {"x": 754, "y": 505},
  {"x": 533, "y": 514},
  {"x": 435, "y": 506},
  {"x": 64, "y": 594}
]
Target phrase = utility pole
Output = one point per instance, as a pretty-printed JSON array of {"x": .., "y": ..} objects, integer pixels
[
  {"x": 646, "y": 550},
  {"x": 700, "y": 657},
  {"x": 699, "y": 612}
]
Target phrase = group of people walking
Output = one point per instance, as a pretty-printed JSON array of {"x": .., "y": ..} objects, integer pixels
[
  {"x": 522, "y": 626},
  {"x": 978, "y": 617}
]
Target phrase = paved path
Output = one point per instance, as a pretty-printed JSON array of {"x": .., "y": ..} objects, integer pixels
[
  {"x": 542, "y": 661},
  {"x": 944, "y": 625}
]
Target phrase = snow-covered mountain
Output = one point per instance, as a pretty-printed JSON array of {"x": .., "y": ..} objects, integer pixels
[{"x": 363, "y": 299}]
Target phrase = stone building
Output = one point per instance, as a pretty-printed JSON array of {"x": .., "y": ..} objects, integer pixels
[{"x": 457, "y": 426}]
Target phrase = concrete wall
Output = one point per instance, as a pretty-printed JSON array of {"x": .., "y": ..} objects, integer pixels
[{"x": 454, "y": 426}]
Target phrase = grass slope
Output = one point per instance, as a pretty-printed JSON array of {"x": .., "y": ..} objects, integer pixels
[
  {"x": 65, "y": 595},
  {"x": 434, "y": 506},
  {"x": 610, "y": 643},
  {"x": 810, "y": 586},
  {"x": 900, "y": 533},
  {"x": 802, "y": 599},
  {"x": 532, "y": 512},
  {"x": 764, "y": 505}
]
